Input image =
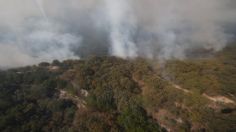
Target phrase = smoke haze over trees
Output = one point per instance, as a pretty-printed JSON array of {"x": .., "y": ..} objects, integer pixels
[{"x": 32, "y": 31}]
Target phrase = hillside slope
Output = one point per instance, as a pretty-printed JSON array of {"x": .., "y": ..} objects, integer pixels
[{"x": 112, "y": 94}]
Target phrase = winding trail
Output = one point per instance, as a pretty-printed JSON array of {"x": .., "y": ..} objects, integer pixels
[
  {"x": 180, "y": 88},
  {"x": 220, "y": 99},
  {"x": 217, "y": 99}
]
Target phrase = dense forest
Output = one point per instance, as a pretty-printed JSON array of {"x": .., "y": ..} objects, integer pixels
[{"x": 100, "y": 94}]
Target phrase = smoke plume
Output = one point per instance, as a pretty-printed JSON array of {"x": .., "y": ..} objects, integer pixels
[
  {"x": 39, "y": 3},
  {"x": 122, "y": 24},
  {"x": 32, "y": 31}
]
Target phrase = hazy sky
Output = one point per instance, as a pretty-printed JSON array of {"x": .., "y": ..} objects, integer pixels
[{"x": 42, "y": 30}]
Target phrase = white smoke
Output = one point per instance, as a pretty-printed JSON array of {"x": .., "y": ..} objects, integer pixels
[
  {"x": 39, "y": 3},
  {"x": 36, "y": 39},
  {"x": 47, "y": 41},
  {"x": 14, "y": 57},
  {"x": 41, "y": 30},
  {"x": 122, "y": 24},
  {"x": 171, "y": 27},
  {"x": 39, "y": 41},
  {"x": 182, "y": 25}
]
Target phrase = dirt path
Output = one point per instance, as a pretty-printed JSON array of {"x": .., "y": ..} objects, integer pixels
[
  {"x": 180, "y": 88},
  {"x": 217, "y": 99},
  {"x": 220, "y": 99}
]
